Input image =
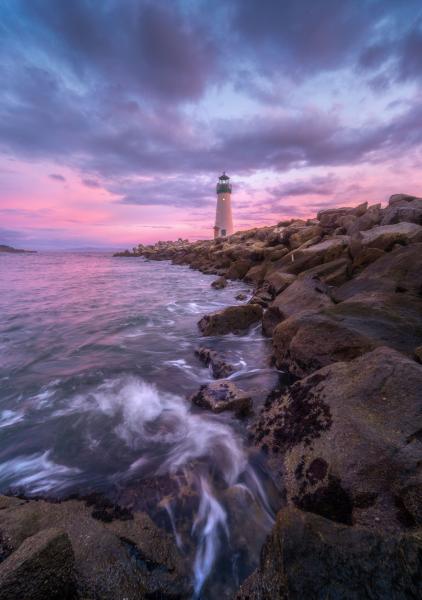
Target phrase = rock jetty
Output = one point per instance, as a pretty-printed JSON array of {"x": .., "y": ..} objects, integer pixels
[{"x": 341, "y": 297}]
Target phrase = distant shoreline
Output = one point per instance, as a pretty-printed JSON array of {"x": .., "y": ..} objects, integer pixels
[{"x": 11, "y": 250}]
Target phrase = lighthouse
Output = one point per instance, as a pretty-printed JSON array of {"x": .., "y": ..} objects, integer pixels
[{"x": 223, "y": 216}]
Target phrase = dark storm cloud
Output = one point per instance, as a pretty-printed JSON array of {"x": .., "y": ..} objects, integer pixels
[{"x": 106, "y": 87}]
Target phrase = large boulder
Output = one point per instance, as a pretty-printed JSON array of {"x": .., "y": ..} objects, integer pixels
[
  {"x": 307, "y": 557},
  {"x": 42, "y": 567},
  {"x": 333, "y": 273},
  {"x": 332, "y": 218},
  {"x": 232, "y": 319},
  {"x": 386, "y": 236},
  {"x": 303, "y": 295},
  {"x": 117, "y": 554},
  {"x": 304, "y": 234},
  {"x": 307, "y": 257},
  {"x": 345, "y": 441},
  {"x": 220, "y": 396},
  {"x": 309, "y": 341},
  {"x": 279, "y": 281},
  {"x": 367, "y": 220},
  {"x": 239, "y": 268},
  {"x": 399, "y": 270},
  {"x": 402, "y": 207}
]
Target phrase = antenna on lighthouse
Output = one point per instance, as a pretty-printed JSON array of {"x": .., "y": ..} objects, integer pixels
[{"x": 223, "y": 216}]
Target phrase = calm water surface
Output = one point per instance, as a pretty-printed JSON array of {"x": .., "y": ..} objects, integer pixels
[{"x": 96, "y": 365}]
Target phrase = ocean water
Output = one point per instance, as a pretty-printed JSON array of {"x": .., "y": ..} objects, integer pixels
[{"x": 96, "y": 367}]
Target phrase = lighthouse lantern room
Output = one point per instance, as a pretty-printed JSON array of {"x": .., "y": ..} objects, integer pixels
[{"x": 223, "y": 217}]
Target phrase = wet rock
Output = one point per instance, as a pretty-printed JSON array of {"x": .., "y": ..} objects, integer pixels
[
  {"x": 345, "y": 439},
  {"x": 220, "y": 368},
  {"x": 241, "y": 296},
  {"x": 309, "y": 557},
  {"x": 344, "y": 331},
  {"x": 386, "y": 236},
  {"x": 399, "y": 271},
  {"x": 42, "y": 567},
  {"x": 219, "y": 284},
  {"x": 402, "y": 207},
  {"x": 220, "y": 396},
  {"x": 122, "y": 558},
  {"x": 233, "y": 319}
]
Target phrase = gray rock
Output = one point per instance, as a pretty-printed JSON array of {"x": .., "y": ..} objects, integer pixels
[
  {"x": 403, "y": 208},
  {"x": 220, "y": 396},
  {"x": 307, "y": 557},
  {"x": 345, "y": 439},
  {"x": 42, "y": 567},
  {"x": 386, "y": 236},
  {"x": 399, "y": 270},
  {"x": 309, "y": 341}
]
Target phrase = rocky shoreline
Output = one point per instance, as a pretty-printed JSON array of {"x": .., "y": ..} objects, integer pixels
[{"x": 340, "y": 296}]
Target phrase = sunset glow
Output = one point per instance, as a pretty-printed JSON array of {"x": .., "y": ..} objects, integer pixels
[{"x": 115, "y": 123}]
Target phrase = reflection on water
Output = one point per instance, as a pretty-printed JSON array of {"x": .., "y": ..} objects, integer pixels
[{"x": 96, "y": 365}]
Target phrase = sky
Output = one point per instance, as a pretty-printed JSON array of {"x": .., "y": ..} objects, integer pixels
[{"x": 118, "y": 116}]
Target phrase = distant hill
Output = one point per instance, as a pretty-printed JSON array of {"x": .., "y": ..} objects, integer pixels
[{"x": 4, "y": 248}]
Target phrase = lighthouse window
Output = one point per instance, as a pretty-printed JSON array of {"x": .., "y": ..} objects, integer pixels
[{"x": 223, "y": 232}]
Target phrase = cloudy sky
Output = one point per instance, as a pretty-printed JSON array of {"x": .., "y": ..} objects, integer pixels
[{"x": 117, "y": 116}]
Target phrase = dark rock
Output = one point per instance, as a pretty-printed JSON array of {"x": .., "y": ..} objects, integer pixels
[
  {"x": 219, "y": 284},
  {"x": 365, "y": 257},
  {"x": 304, "y": 294},
  {"x": 104, "y": 566},
  {"x": 241, "y": 296},
  {"x": 279, "y": 281},
  {"x": 219, "y": 367},
  {"x": 239, "y": 268},
  {"x": 369, "y": 219},
  {"x": 42, "y": 567},
  {"x": 233, "y": 319},
  {"x": 256, "y": 274},
  {"x": 309, "y": 557},
  {"x": 220, "y": 396},
  {"x": 334, "y": 272},
  {"x": 307, "y": 342},
  {"x": 350, "y": 430},
  {"x": 418, "y": 354},
  {"x": 305, "y": 258},
  {"x": 398, "y": 270}
]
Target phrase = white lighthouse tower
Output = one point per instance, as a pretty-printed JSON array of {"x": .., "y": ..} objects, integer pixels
[{"x": 223, "y": 217}]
